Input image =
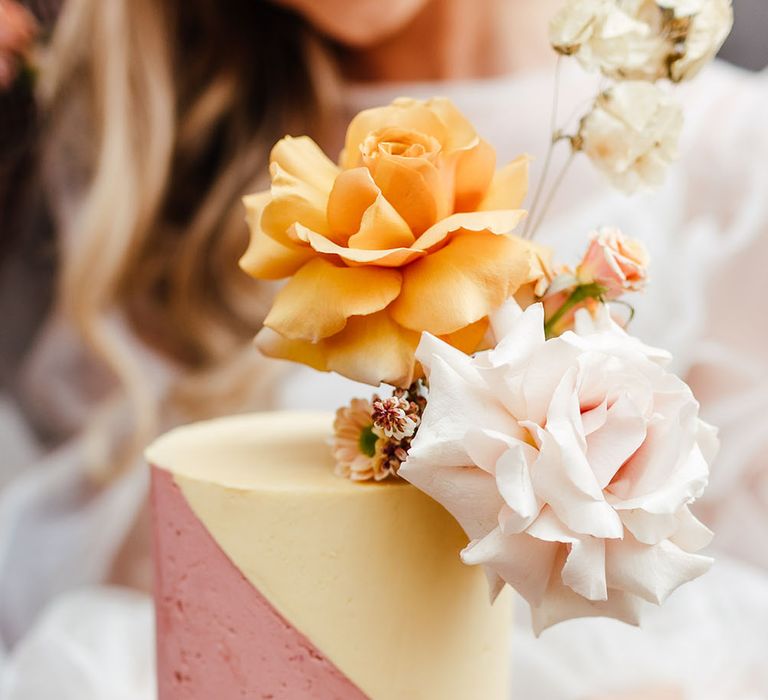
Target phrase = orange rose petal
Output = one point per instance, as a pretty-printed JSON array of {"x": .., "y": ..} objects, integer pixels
[
  {"x": 474, "y": 174},
  {"x": 317, "y": 301},
  {"x": 265, "y": 258},
  {"x": 293, "y": 200},
  {"x": 460, "y": 134},
  {"x": 461, "y": 283},
  {"x": 415, "y": 190},
  {"x": 373, "y": 349},
  {"x": 470, "y": 338},
  {"x": 272, "y": 344},
  {"x": 403, "y": 112},
  {"x": 302, "y": 159},
  {"x": 393, "y": 257},
  {"x": 357, "y": 209},
  {"x": 353, "y": 192},
  {"x": 508, "y": 187},
  {"x": 502, "y": 221}
]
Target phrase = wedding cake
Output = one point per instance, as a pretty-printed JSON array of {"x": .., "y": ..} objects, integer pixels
[{"x": 277, "y": 579}]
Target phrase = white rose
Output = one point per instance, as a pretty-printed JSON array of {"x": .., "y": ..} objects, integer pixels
[
  {"x": 707, "y": 24},
  {"x": 631, "y": 134},
  {"x": 569, "y": 462}
]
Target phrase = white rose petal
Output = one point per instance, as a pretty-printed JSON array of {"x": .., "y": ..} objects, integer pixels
[{"x": 569, "y": 462}]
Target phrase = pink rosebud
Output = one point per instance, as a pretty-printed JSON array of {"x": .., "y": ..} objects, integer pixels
[
  {"x": 614, "y": 261},
  {"x": 17, "y": 32}
]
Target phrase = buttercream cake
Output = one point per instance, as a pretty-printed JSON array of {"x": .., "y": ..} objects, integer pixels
[{"x": 277, "y": 579}]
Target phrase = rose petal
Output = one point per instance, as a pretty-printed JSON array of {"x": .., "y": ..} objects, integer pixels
[
  {"x": 457, "y": 404},
  {"x": 419, "y": 195},
  {"x": 459, "y": 284},
  {"x": 373, "y": 349},
  {"x": 265, "y": 258},
  {"x": 358, "y": 210},
  {"x": 520, "y": 334},
  {"x": 469, "y": 338},
  {"x": 302, "y": 178},
  {"x": 352, "y": 193},
  {"x": 499, "y": 222},
  {"x": 651, "y": 572},
  {"x": 485, "y": 447},
  {"x": 649, "y": 528},
  {"x": 474, "y": 174},
  {"x": 395, "y": 257},
  {"x": 523, "y": 562},
  {"x": 469, "y": 494},
  {"x": 431, "y": 348},
  {"x": 662, "y": 476},
  {"x": 610, "y": 446},
  {"x": 513, "y": 480},
  {"x": 403, "y": 112},
  {"x": 272, "y": 344},
  {"x": 561, "y": 603},
  {"x": 691, "y": 535},
  {"x": 317, "y": 301},
  {"x": 459, "y": 132},
  {"x": 561, "y": 478},
  {"x": 303, "y": 159},
  {"x": 508, "y": 187},
  {"x": 584, "y": 569},
  {"x": 293, "y": 201}
]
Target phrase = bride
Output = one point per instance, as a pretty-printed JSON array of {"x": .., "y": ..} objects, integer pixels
[{"x": 156, "y": 119}]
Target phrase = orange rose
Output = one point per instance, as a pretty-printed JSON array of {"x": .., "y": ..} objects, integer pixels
[{"x": 409, "y": 234}]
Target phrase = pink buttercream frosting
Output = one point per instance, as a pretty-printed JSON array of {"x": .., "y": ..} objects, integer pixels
[{"x": 218, "y": 638}]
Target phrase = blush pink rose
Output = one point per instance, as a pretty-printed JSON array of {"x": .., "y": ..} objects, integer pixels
[
  {"x": 615, "y": 261},
  {"x": 570, "y": 463}
]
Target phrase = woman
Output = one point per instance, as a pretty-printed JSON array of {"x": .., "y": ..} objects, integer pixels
[{"x": 159, "y": 116}]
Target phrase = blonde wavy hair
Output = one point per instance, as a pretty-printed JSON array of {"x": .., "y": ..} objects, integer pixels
[{"x": 159, "y": 117}]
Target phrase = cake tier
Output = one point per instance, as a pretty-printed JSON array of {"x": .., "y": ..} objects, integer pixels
[{"x": 277, "y": 579}]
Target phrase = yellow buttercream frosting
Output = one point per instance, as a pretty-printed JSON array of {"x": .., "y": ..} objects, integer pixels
[{"x": 370, "y": 573}]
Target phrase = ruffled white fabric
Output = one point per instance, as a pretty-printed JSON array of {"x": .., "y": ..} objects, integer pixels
[
  {"x": 707, "y": 643},
  {"x": 93, "y": 644}
]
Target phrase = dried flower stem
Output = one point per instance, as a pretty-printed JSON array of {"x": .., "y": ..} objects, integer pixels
[
  {"x": 553, "y": 191},
  {"x": 555, "y": 137}
]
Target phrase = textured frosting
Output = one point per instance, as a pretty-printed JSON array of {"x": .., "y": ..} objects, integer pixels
[
  {"x": 217, "y": 636},
  {"x": 369, "y": 573}
]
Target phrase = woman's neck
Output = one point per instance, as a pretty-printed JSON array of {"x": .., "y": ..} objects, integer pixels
[{"x": 459, "y": 39}]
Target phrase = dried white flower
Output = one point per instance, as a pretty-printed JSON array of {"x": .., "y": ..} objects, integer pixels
[
  {"x": 621, "y": 39},
  {"x": 642, "y": 39},
  {"x": 631, "y": 134},
  {"x": 707, "y": 24}
]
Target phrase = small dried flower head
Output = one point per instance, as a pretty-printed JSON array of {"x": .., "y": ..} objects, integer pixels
[
  {"x": 390, "y": 454},
  {"x": 395, "y": 417}
]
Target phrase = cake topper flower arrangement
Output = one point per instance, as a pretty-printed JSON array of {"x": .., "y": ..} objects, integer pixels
[{"x": 561, "y": 444}]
